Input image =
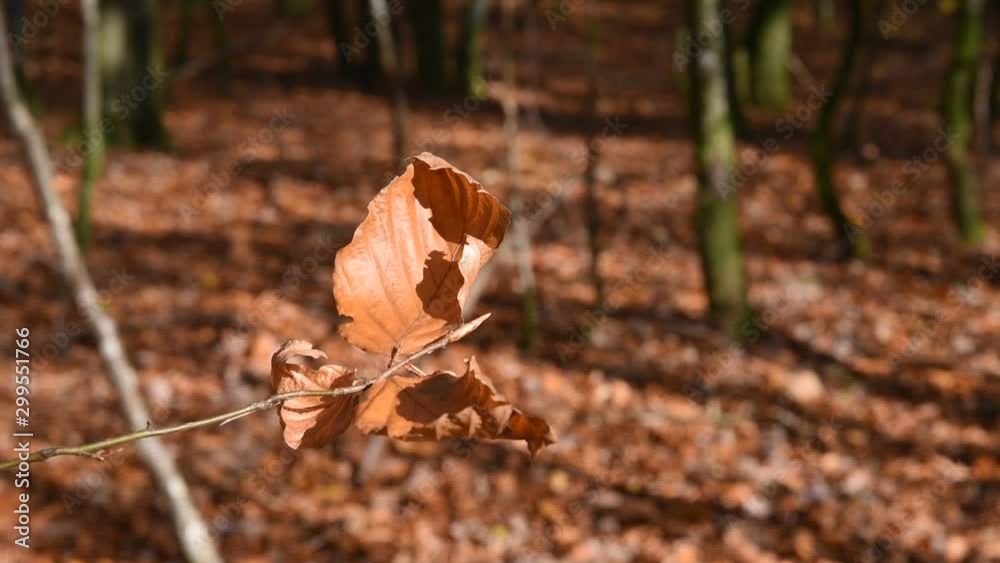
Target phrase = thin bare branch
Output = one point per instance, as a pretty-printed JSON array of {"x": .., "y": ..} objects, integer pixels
[{"x": 94, "y": 449}]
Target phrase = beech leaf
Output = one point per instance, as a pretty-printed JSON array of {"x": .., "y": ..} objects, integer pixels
[
  {"x": 446, "y": 405},
  {"x": 404, "y": 277},
  {"x": 311, "y": 422}
]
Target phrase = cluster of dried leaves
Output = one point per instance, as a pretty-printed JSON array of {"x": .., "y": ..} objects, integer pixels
[{"x": 403, "y": 281}]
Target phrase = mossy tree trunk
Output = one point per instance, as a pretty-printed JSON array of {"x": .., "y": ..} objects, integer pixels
[
  {"x": 132, "y": 73},
  {"x": 469, "y": 56},
  {"x": 770, "y": 44},
  {"x": 736, "y": 71},
  {"x": 93, "y": 161},
  {"x": 958, "y": 119},
  {"x": 716, "y": 213},
  {"x": 852, "y": 239}
]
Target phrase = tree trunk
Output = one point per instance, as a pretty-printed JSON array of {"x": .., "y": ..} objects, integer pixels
[
  {"x": 336, "y": 20},
  {"x": 295, "y": 8},
  {"x": 852, "y": 239},
  {"x": 428, "y": 22},
  {"x": 770, "y": 41},
  {"x": 716, "y": 214},
  {"x": 14, "y": 12},
  {"x": 591, "y": 202},
  {"x": 994, "y": 98},
  {"x": 520, "y": 238},
  {"x": 469, "y": 57},
  {"x": 221, "y": 42},
  {"x": 94, "y": 137},
  {"x": 826, "y": 14},
  {"x": 868, "y": 50},
  {"x": 131, "y": 67},
  {"x": 390, "y": 68},
  {"x": 957, "y": 117},
  {"x": 182, "y": 51},
  {"x": 736, "y": 79},
  {"x": 373, "y": 57}
]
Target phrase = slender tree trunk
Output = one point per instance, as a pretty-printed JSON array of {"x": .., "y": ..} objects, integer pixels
[
  {"x": 131, "y": 60},
  {"x": 591, "y": 203},
  {"x": 716, "y": 214},
  {"x": 826, "y": 14},
  {"x": 957, "y": 117},
  {"x": 390, "y": 68},
  {"x": 736, "y": 73},
  {"x": 193, "y": 535},
  {"x": 296, "y": 8},
  {"x": 469, "y": 57},
  {"x": 221, "y": 41},
  {"x": 852, "y": 239},
  {"x": 94, "y": 159},
  {"x": 770, "y": 41},
  {"x": 336, "y": 20},
  {"x": 14, "y": 11},
  {"x": 182, "y": 51},
  {"x": 868, "y": 52},
  {"x": 983, "y": 98},
  {"x": 147, "y": 123},
  {"x": 994, "y": 98},
  {"x": 428, "y": 20},
  {"x": 117, "y": 62},
  {"x": 373, "y": 57},
  {"x": 520, "y": 238}
]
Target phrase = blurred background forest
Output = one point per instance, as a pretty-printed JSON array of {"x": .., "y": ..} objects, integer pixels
[{"x": 752, "y": 279}]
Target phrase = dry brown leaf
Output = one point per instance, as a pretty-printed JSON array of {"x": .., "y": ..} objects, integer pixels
[
  {"x": 446, "y": 405},
  {"x": 404, "y": 278},
  {"x": 311, "y": 422}
]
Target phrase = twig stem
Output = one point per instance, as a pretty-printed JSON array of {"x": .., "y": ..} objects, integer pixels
[{"x": 89, "y": 450}]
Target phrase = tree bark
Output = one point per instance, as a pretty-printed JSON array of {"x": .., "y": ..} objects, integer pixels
[
  {"x": 428, "y": 19},
  {"x": 131, "y": 52},
  {"x": 182, "y": 50},
  {"x": 14, "y": 11},
  {"x": 520, "y": 238},
  {"x": 826, "y": 14},
  {"x": 390, "y": 69},
  {"x": 373, "y": 57},
  {"x": 591, "y": 203},
  {"x": 870, "y": 43},
  {"x": 469, "y": 58},
  {"x": 957, "y": 117},
  {"x": 193, "y": 534},
  {"x": 336, "y": 20},
  {"x": 93, "y": 161},
  {"x": 851, "y": 238},
  {"x": 770, "y": 38},
  {"x": 716, "y": 214}
]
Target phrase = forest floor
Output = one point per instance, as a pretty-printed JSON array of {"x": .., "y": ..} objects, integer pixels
[{"x": 865, "y": 408}]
